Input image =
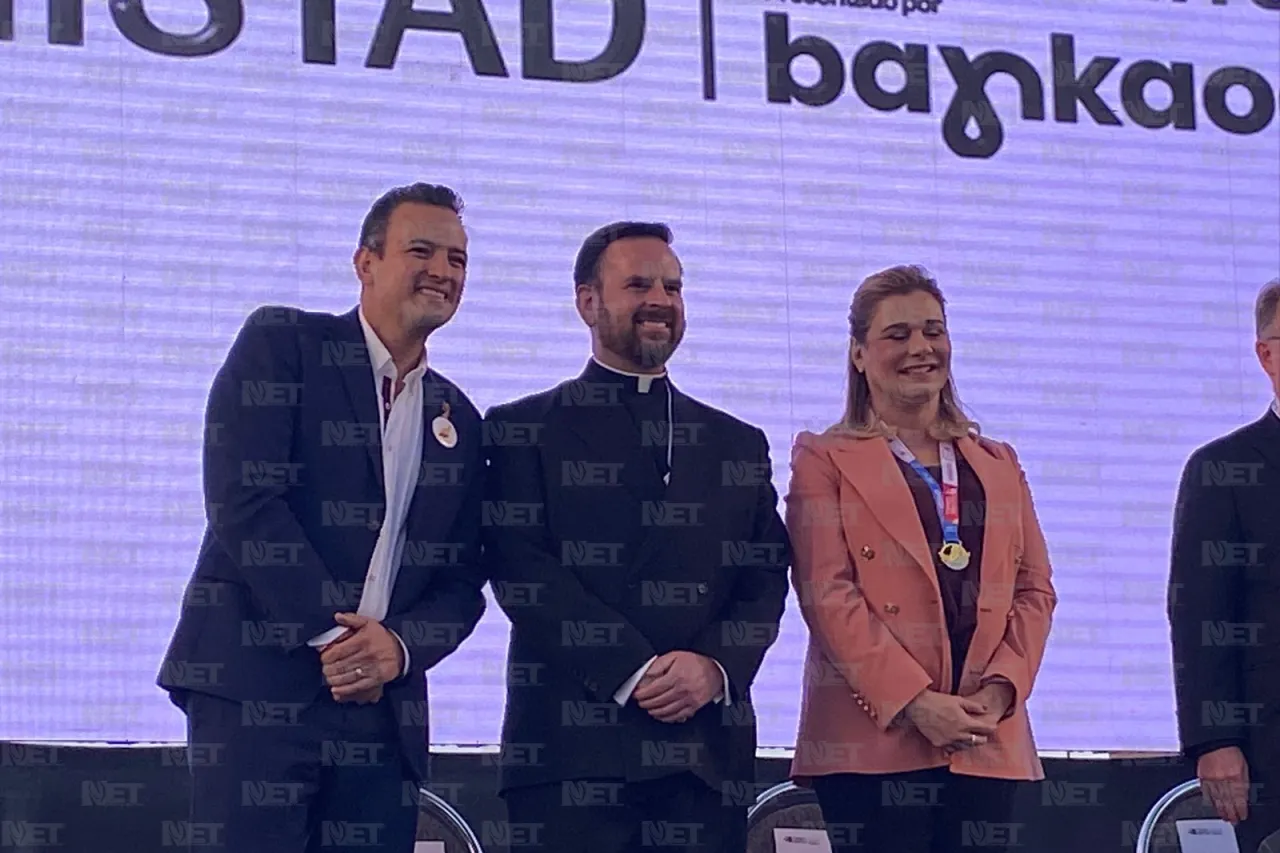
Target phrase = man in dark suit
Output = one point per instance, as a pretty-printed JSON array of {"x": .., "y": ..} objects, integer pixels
[
  {"x": 1224, "y": 603},
  {"x": 343, "y": 480},
  {"x": 633, "y": 536}
]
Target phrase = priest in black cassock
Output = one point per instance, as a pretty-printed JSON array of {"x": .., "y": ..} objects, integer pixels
[{"x": 634, "y": 542}]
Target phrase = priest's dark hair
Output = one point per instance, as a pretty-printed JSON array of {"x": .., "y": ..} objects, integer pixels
[
  {"x": 859, "y": 418},
  {"x": 586, "y": 269},
  {"x": 373, "y": 232}
]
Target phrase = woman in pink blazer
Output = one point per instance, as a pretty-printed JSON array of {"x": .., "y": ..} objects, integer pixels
[{"x": 924, "y": 579}]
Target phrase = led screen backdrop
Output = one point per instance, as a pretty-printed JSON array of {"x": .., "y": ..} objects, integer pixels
[{"x": 1095, "y": 184}]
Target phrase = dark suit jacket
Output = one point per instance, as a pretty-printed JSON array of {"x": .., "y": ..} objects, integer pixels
[
  {"x": 1224, "y": 596},
  {"x": 600, "y": 567},
  {"x": 294, "y": 499}
]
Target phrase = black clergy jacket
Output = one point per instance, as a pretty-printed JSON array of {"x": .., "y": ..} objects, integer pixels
[{"x": 600, "y": 566}]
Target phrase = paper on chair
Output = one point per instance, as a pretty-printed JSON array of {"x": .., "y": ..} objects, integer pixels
[
  {"x": 1206, "y": 836},
  {"x": 801, "y": 841},
  {"x": 428, "y": 847}
]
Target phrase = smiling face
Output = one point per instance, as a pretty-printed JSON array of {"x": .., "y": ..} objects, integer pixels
[
  {"x": 907, "y": 354},
  {"x": 414, "y": 284},
  {"x": 636, "y": 309}
]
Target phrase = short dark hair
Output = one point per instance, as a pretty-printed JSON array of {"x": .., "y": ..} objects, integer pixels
[
  {"x": 373, "y": 232},
  {"x": 586, "y": 270},
  {"x": 1267, "y": 309}
]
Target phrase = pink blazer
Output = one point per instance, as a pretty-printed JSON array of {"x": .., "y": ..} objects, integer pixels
[{"x": 869, "y": 593}]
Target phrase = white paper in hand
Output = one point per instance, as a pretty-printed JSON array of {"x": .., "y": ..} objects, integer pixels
[
  {"x": 801, "y": 841},
  {"x": 428, "y": 847},
  {"x": 1206, "y": 836}
]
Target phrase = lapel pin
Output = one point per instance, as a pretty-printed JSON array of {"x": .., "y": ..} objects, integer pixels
[{"x": 442, "y": 428}]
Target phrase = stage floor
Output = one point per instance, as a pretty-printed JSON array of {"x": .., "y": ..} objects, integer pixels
[{"x": 115, "y": 798}]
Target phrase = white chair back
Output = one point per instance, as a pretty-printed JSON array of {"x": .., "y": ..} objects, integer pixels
[{"x": 439, "y": 821}]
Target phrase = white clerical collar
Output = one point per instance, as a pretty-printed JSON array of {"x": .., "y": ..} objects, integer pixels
[
  {"x": 379, "y": 355},
  {"x": 1275, "y": 407},
  {"x": 644, "y": 381}
]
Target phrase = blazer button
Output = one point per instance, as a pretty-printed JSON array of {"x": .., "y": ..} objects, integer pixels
[
  {"x": 891, "y": 608},
  {"x": 868, "y": 552}
]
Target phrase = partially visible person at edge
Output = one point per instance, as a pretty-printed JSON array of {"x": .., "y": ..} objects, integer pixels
[
  {"x": 1224, "y": 594},
  {"x": 924, "y": 579}
]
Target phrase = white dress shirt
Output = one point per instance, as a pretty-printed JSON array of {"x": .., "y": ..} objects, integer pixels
[
  {"x": 401, "y": 458},
  {"x": 644, "y": 382}
]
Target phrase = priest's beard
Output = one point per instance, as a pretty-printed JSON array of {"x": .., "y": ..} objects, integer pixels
[{"x": 622, "y": 336}]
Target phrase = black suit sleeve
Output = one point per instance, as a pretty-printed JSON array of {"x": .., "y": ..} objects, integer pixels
[
  {"x": 541, "y": 596},
  {"x": 1193, "y": 753},
  {"x": 250, "y": 420},
  {"x": 748, "y": 624},
  {"x": 453, "y": 601},
  {"x": 1203, "y": 595}
]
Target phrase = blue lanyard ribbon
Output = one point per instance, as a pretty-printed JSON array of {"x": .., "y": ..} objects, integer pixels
[{"x": 950, "y": 521}]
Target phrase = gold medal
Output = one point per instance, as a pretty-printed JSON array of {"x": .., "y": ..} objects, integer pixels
[
  {"x": 954, "y": 556},
  {"x": 442, "y": 428}
]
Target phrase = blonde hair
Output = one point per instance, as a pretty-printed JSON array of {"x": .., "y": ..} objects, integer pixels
[{"x": 860, "y": 420}]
